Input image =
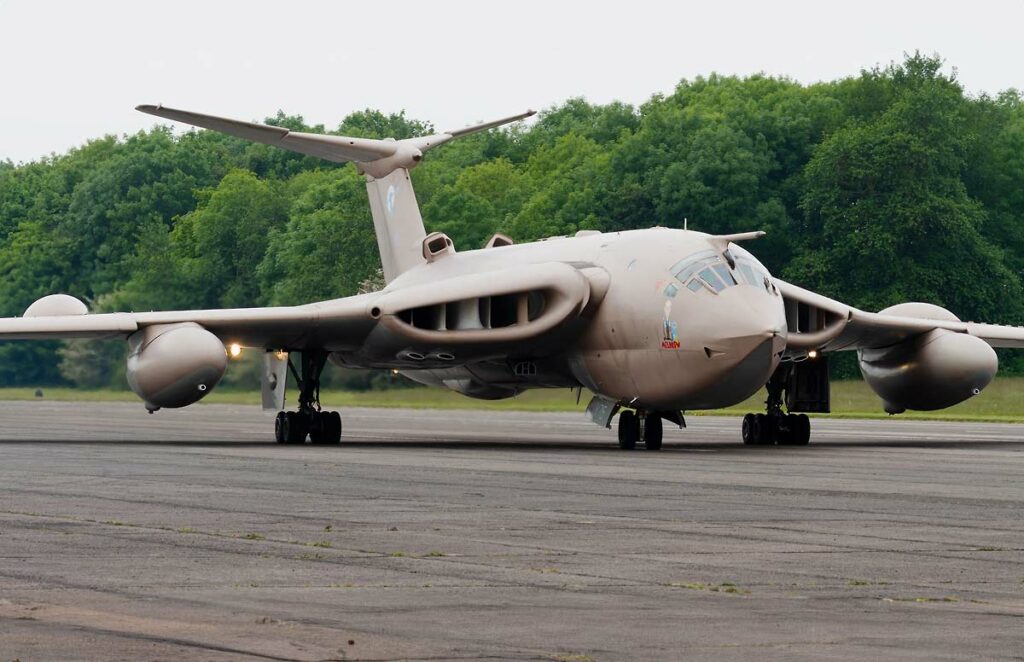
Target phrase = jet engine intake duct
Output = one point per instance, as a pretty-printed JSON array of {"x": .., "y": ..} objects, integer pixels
[
  {"x": 811, "y": 327},
  {"x": 174, "y": 365},
  {"x": 488, "y": 312},
  {"x": 508, "y": 305},
  {"x": 934, "y": 370}
]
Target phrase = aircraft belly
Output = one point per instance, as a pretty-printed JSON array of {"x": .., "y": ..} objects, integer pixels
[
  {"x": 681, "y": 379},
  {"x": 493, "y": 380}
]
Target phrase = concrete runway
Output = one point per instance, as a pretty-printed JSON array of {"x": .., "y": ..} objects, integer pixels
[{"x": 433, "y": 535}]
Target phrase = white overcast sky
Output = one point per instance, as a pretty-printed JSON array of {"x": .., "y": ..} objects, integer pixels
[{"x": 71, "y": 71}]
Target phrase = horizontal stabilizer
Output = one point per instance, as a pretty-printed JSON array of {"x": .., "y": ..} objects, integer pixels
[
  {"x": 331, "y": 148},
  {"x": 377, "y": 158}
]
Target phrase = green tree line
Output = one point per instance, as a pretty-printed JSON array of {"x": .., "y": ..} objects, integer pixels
[{"x": 886, "y": 186}]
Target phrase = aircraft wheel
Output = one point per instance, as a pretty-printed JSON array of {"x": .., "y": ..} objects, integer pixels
[
  {"x": 762, "y": 429},
  {"x": 326, "y": 428},
  {"x": 788, "y": 431},
  {"x": 295, "y": 428},
  {"x": 773, "y": 430},
  {"x": 750, "y": 430},
  {"x": 653, "y": 432},
  {"x": 332, "y": 428},
  {"x": 280, "y": 431},
  {"x": 629, "y": 430},
  {"x": 796, "y": 432},
  {"x": 803, "y": 428},
  {"x": 316, "y": 427}
]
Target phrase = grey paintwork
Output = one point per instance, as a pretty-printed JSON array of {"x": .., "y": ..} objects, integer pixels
[{"x": 601, "y": 311}]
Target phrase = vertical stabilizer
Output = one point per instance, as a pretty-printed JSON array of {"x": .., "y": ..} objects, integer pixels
[{"x": 397, "y": 222}]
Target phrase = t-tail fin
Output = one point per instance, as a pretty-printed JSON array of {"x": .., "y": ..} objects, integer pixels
[{"x": 385, "y": 163}]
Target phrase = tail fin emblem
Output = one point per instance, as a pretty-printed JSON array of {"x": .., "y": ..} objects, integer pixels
[{"x": 390, "y": 200}]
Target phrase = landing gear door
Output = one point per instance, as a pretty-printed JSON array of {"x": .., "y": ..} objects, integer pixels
[
  {"x": 274, "y": 380},
  {"x": 601, "y": 410},
  {"x": 807, "y": 386}
]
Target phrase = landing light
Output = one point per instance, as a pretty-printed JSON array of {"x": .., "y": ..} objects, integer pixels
[
  {"x": 235, "y": 350},
  {"x": 812, "y": 354}
]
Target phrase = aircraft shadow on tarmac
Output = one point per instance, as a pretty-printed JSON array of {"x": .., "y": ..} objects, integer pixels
[{"x": 717, "y": 447}]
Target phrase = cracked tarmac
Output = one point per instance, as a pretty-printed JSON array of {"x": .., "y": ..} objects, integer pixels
[{"x": 451, "y": 535}]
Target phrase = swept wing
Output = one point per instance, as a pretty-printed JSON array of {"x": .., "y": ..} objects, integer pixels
[{"x": 843, "y": 327}]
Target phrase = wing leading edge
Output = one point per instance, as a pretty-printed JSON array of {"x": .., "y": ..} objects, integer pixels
[
  {"x": 850, "y": 328},
  {"x": 467, "y": 315},
  {"x": 339, "y": 323}
]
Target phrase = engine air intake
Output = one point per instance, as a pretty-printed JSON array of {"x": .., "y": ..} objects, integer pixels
[
  {"x": 489, "y": 312},
  {"x": 504, "y": 306}
]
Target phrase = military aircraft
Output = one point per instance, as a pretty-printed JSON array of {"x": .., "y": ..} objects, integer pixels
[{"x": 652, "y": 322}]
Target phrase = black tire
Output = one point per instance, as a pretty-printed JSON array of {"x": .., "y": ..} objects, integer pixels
[
  {"x": 773, "y": 430},
  {"x": 653, "y": 432},
  {"x": 803, "y": 427},
  {"x": 787, "y": 432},
  {"x": 295, "y": 428},
  {"x": 748, "y": 431},
  {"x": 797, "y": 432},
  {"x": 330, "y": 427},
  {"x": 280, "y": 433},
  {"x": 629, "y": 430},
  {"x": 762, "y": 433},
  {"x": 316, "y": 427}
]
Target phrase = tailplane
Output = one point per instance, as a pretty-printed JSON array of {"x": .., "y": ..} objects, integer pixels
[{"x": 385, "y": 163}]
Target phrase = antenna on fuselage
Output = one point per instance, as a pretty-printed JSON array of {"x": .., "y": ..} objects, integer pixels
[{"x": 685, "y": 223}]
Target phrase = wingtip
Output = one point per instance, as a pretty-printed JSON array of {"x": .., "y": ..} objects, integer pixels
[{"x": 148, "y": 107}]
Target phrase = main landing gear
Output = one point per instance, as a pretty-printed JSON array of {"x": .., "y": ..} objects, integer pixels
[
  {"x": 640, "y": 426},
  {"x": 322, "y": 427},
  {"x": 781, "y": 429},
  {"x": 775, "y": 427}
]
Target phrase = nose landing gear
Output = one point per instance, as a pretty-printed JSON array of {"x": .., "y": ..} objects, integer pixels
[
  {"x": 322, "y": 427},
  {"x": 640, "y": 426}
]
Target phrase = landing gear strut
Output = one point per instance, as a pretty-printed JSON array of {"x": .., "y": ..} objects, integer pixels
[
  {"x": 640, "y": 426},
  {"x": 775, "y": 427},
  {"x": 322, "y": 427}
]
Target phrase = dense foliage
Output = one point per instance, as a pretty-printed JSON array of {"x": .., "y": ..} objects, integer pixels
[{"x": 888, "y": 186}]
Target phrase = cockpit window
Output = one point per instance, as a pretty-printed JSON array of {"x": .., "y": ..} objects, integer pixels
[
  {"x": 711, "y": 279},
  {"x": 753, "y": 275},
  {"x": 703, "y": 270},
  {"x": 726, "y": 275},
  {"x": 706, "y": 270},
  {"x": 748, "y": 273},
  {"x": 690, "y": 265}
]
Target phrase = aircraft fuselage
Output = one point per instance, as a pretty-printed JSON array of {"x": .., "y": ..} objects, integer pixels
[{"x": 663, "y": 336}]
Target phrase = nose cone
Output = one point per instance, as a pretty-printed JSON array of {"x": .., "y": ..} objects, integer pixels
[
  {"x": 744, "y": 334},
  {"x": 746, "y": 318}
]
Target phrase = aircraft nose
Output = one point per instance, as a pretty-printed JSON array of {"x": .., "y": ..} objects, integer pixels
[
  {"x": 752, "y": 316},
  {"x": 745, "y": 336}
]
